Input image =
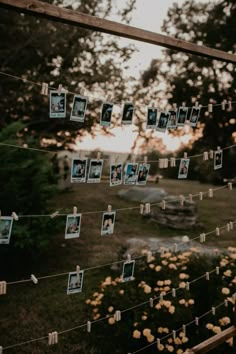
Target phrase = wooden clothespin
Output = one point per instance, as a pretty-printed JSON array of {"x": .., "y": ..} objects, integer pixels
[
  {"x": 44, "y": 89},
  {"x": 223, "y": 105},
  {"x": 172, "y": 162},
  {"x": 181, "y": 199},
  {"x": 3, "y": 287},
  {"x": 1, "y": 349},
  {"x": 77, "y": 270},
  {"x": 190, "y": 196},
  {"x": 174, "y": 106},
  {"x": 53, "y": 215},
  {"x": 187, "y": 286},
  {"x": 99, "y": 155},
  {"x": 141, "y": 209},
  {"x": 161, "y": 163},
  {"x": 230, "y": 105},
  {"x": 151, "y": 302},
  {"x": 196, "y": 104},
  {"x": 218, "y": 148},
  {"x": 89, "y": 326},
  {"x": 217, "y": 270},
  {"x": 165, "y": 163},
  {"x": 205, "y": 155},
  {"x": 185, "y": 155},
  {"x": 217, "y": 231},
  {"x": 145, "y": 160},
  {"x": 226, "y": 303},
  {"x": 161, "y": 296},
  {"x": 210, "y": 193},
  {"x": 149, "y": 256},
  {"x": 75, "y": 210},
  {"x": 230, "y": 185},
  {"x": 228, "y": 227},
  {"x": 147, "y": 208},
  {"x": 117, "y": 316},
  {"x": 15, "y": 216},
  {"x": 59, "y": 89},
  {"x": 207, "y": 276},
  {"x": 184, "y": 330},
  {"x": 163, "y": 204},
  {"x": 202, "y": 237},
  {"x": 213, "y": 310},
  {"x": 34, "y": 279},
  {"x": 109, "y": 208},
  {"x": 52, "y": 338},
  {"x": 158, "y": 343},
  {"x": 210, "y": 107},
  {"x": 231, "y": 225},
  {"x": 200, "y": 196},
  {"x": 211, "y": 154},
  {"x": 173, "y": 291},
  {"x": 196, "y": 321},
  {"x": 174, "y": 334},
  {"x": 128, "y": 257},
  {"x": 175, "y": 247}
]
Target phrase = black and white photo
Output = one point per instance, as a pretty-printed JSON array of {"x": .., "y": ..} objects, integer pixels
[
  {"x": 57, "y": 105},
  {"x": 128, "y": 271},
  {"x": 95, "y": 171},
  {"x": 182, "y": 116},
  {"x": 163, "y": 121},
  {"x": 151, "y": 118},
  {"x": 5, "y": 229},
  {"x": 131, "y": 173},
  {"x": 72, "y": 226},
  {"x": 218, "y": 159},
  {"x": 128, "y": 112},
  {"x": 195, "y": 113},
  {"x": 108, "y": 223},
  {"x": 106, "y": 114},
  {"x": 143, "y": 171},
  {"x": 78, "y": 108},
  {"x": 75, "y": 282},
  {"x": 116, "y": 174},
  {"x": 183, "y": 168},
  {"x": 79, "y": 170}
]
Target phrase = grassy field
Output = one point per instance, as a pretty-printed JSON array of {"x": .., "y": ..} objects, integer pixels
[{"x": 31, "y": 311}]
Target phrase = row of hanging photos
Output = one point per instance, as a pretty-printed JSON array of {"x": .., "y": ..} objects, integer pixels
[
  {"x": 170, "y": 119},
  {"x": 134, "y": 173},
  {"x": 73, "y": 221}
]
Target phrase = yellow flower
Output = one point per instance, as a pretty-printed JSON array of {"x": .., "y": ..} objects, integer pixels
[
  {"x": 88, "y": 301},
  {"x": 184, "y": 340},
  {"x": 95, "y": 294},
  {"x": 160, "y": 347},
  {"x": 151, "y": 266},
  {"x": 167, "y": 303},
  {"x": 209, "y": 326},
  {"x": 121, "y": 292},
  {"x": 150, "y": 338},
  {"x": 146, "y": 332},
  {"x": 191, "y": 301},
  {"x": 167, "y": 282},
  {"x": 144, "y": 318},
  {"x": 158, "y": 268},
  {"x": 165, "y": 330},
  {"x": 171, "y": 309},
  {"x": 136, "y": 334},
  {"x": 179, "y": 351},
  {"x": 159, "y": 329},
  {"x": 111, "y": 320},
  {"x": 170, "y": 348},
  {"x": 230, "y": 341},
  {"x": 225, "y": 291},
  {"x": 172, "y": 266},
  {"x": 166, "y": 288},
  {"x": 160, "y": 283},
  {"x": 177, "y": 341},
  {"x": 182, "y": 284},
  {"x": 224, "y": 321},
  {"x": 110, "y": 308},
  {"x": 216, "y": 329},
  {"x": 170, "y": 340},
  {"x": 181, "y": 301},
  {"x": 96, "y": 316},
  {"x": 228, "y": 273},
  {"x": 147, "y": 289},
  {"x": 173, "y": 259},
  {"x": 164, "y": 262},
  {"x": 183, "y": 276}
]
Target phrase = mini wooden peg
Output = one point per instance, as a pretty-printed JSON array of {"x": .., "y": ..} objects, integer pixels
[
  {"x": 141, "y": 209},
  {"x": 53, "y": 215},
  {"x": 158, "y": 343},
  {"x": 230, "y": 185},
  {"x": 210, "y": 108},
  {"x": 210, "y": 193},
  {"x": 161, "y": 296},
  {"x": 82, "y": 91},
  {"x": 147, "y": 208},
  {"x": 173, "y": 292},
  {"x": 187, "y": 286},
  {"x": 231, "y": 225},
  {"x": 213, "y": 309},
  {"x": 109, "y": 208},
  {"x": 196, "y": 104},
  {"x": 34, "y": 279},
  {"x": 230, "y": 105},
  {"x": 151, "y": 302},
  {"x": 183, "y": 104},
  {"x": 59, "y": 89},
  {"x": 174, "y": 334},
  {"x": 161, "y": 163},
  {"x": 201, "y": 196},
  {"x": 77, "y": 270},
  {"x": 207, "y": 276},
  {"x": 3, "y": 287},
  {"x": 98, "y": 155},
  {"x": 117, "y": 315},
  {"x": 205, "y": 155},
  {"x": 165, "y": 163},
  {"x": 190, "y": 198},
  {"x": 228, "y": 227},
  {"x": 226, "y": 302},
  {"x": 149, "y": 256},
  {"x": 128, "y": 257},
  {"x": 175, "y": 247},
  {"x": 163, "y": 204},
  {"x": 181, "y": 199},
  {"x": 52, "y": 338},
  {"x": 172, "y": 162},
  {"x": 223, "y": 105},
  {"x": 1, "y": 349},
  {"x": 88, "y": 326},
  {"x": 218, "y": 148},
  {"x": 217, "y": 231},
  {"x": 217, "y": 270},
  {"x": 196, "y": 321},
  {"x": 211, "y": 154},
  {"x": 174, "y": 106},
  {"x": 185, "y": 155},
  {"x": 184, "y": 329},
  {"x": 44, "y": 90},
  {"x": 109, "y": 97},
  {"x": 202, "y": 237},
  {"x": 74, "y": 210},
  {"x": 15, "y": 216},
  {"x": 145, "y": 160}
]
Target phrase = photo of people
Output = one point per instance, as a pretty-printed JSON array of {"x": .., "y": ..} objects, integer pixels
[
  {"x": 5, "y": 229},
  {"x": 57, "y": 105},
  {"x": 78, "y": 109},
  {"x": 194, "y": 116},
  {"x": 106, "y": 114},
  {"x": 72, "y": 226},
  {"x": 151, "y": 118},
  {"x": 172, "y": 123},
  {"x": 218, "y": 159},
  {"x": 128, "y": 112},
  {"x": 108, "y": 223},
  {"x": 95, "y": 171},
  {"x": 183, "y": 168},
  {"x": 128, "y": 271},
  {"x": 75, "y": 282},
  {"x": 131, "y": 173},
  {"x": 163, "y": 121},
  {"x": 78, "y": 170},
  {"x": 143, "y": 171},
  {"x": 182, "y": 116},
  {"x": 116, "y": 175}
]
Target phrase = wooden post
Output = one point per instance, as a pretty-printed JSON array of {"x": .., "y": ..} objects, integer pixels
[{"x": 76, "y": 18}]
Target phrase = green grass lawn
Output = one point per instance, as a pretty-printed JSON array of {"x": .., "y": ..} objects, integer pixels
[{"x": 29, "y": 311}]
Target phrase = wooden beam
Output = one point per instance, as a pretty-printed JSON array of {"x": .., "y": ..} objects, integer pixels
[
  {"x": 213, "y": 342},
  {"x": 75, "y": 18}
]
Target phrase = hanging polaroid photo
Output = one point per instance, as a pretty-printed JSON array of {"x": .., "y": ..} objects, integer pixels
[
  {"x": 57, "y": 105},
  {"x": 75, "y": 282},
  {"x": 128, "y": 112},
  {"x": 95, "y": 171},
  {"x": 195, "y": 113},
  {"x": 218, "y": 159},
  {"x": 78, "y": 170},
  {"x": 143, "y": 171},
  {"x": 172, "y": 122},
  {"x": 163, "y": 121},
  {"x": 131, "y": 173},
  {"x": 182, "y": 116},
  {"x": 78, "y": 108},
  {"x": 116, "y": 174},
  {"x": 106, "y": 114},
  {"x": 5, "y": 229},
  {"x": 151, "y": 118},
  {"x": 183, "y": 168},
  {"x": 128, "y": 271},
  {"x": 108, "y": 223},
  {"x": 72, "y": 226}
]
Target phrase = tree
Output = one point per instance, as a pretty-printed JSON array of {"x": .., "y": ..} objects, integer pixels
[
  {"x": 44, "y": 51},
  {"x": 191, "y": 78}
]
